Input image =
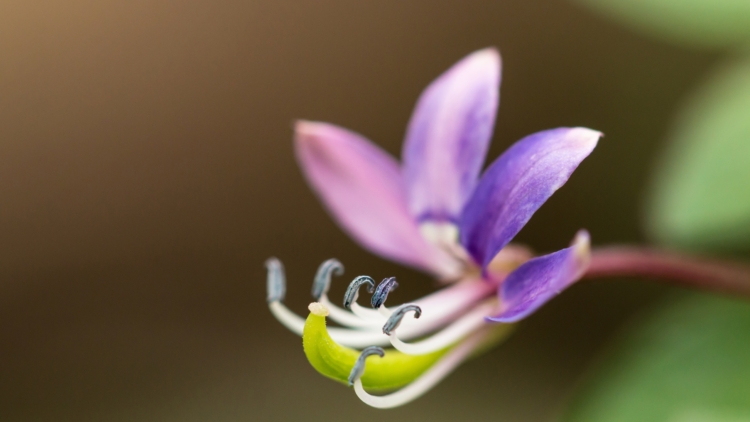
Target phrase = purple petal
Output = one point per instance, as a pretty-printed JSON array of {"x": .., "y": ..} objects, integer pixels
[
  {"x": 517, "y": 184},
  {"x": 362, "y": 187},
  {"x": 537, "y": 281},
  {"x": 448, "y": 136}
]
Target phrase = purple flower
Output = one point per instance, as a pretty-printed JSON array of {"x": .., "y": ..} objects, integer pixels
[{"x": 434, "y": 212}]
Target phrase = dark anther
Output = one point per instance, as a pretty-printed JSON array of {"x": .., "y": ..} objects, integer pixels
[
  {"x": 381, "y": 293},
  {"x": 395, "y": 319},
  {"x": 323, "y": 277},
  {"x": 275, "y": 281},
  {"x": 352, "y": 292},
  {"x": 359, "y": 366}
]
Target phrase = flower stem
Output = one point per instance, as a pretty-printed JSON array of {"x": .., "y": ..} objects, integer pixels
[{"x": 682, "y": 269}]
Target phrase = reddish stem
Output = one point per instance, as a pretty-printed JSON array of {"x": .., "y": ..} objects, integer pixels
[{"x": 685, "y": 270}]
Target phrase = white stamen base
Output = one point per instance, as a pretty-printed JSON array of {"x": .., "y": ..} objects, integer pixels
[
  {"x": 428, "y": 380},
  {"x": 365, "y": 313},
  {"x": 438, "y": 309},
  {"x": 344, "y": 317},
  {"x": 459, "y": 329}
]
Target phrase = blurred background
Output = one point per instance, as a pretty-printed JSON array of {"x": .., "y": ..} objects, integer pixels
[{"x": 147, "y": 171}]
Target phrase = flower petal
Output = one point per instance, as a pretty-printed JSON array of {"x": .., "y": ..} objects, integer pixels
[
  {"x": 537, "y": 281},
  {"x": 517, "y": 184},
  {"x": 362, "y": 187},
  {"x": 448, "y": 136}
]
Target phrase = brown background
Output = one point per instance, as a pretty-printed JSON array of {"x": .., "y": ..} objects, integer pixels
[{"x": 147, "y": 171}]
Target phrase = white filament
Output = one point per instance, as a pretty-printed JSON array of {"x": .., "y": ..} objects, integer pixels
[
  {"x": 344, "y": 317},
  {"x": 286, "y": 317},
  {"x": 439, "y": 309},
  {"x": 449, "y": 335},
  {"x": 385, "y": 312},
  {"x": 344, "y": 336},
  {"x": 365, "y": 313},
  {"x": 426, "y": 381}
]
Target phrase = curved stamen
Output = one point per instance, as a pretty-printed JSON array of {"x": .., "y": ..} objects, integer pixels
[
  {"x": 276, "y": 290},
  {"x": 322, "y": 283},
  {"x": 395, "y": 320},
  {"x": 359, "y": 366},
  {"x": 323, "y": 277},
  {"x": 352, "y": 292},
  {"x": 381, "y": 293},
  {"x": 453, "y": 333},
  {"x": 429, "y": 379},
  {"x": 441, "y": 307},
  {"x": 349, "y": 337},
  {"x": 275, "y": 280},
  {"x": 361, "y": 338}
]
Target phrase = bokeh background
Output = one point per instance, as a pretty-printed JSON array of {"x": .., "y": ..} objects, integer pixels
[{"x": 147, "y": 171}]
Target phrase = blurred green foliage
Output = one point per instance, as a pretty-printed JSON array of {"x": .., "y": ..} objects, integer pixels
[
  {"x": 700, "y": 197},
  {"x": 696, "y": 22},
  {"x": 690, "y": 361},
  {"x": 687, "y": 363}
]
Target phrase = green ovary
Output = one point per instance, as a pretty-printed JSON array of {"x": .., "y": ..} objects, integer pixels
[{"x": 334, "y": 361}]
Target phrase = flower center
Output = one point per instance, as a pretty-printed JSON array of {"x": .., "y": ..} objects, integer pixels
[{"x": 444, "y": 235}]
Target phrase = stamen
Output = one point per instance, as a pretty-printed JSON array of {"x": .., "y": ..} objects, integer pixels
[
  {"x": 351, "y": 302},
  {"x": 276, "y": 288},
  {"x": 351, "y": 295},
  {"x": 453, "y": 333},
  {"x": 352, "y": 292},
  {"x": 381, "y": 293},
  {"x": 439, "y": 314},
  {"x": 359, "y": 366},
  {"x": 395, "y": 320},
  {"x": 443, "y": 307},
  {"x": 323, "y": 277},
  {"x": 275, "y": 280},
  {"x": 322, "y": 283},
  {"x": 429, "y": 379}
]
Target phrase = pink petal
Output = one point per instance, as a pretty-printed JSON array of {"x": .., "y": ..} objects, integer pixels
[{"x": 361, "y": 186}]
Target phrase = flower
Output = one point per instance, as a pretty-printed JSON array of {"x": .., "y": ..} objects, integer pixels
[{"x": 435, "y": 213}]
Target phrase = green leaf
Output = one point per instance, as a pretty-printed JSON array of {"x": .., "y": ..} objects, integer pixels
[
  {"x": 689, "y": 363},
  {"x": 700, "y": 198},
  {"x": 696, "y": 22}
]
